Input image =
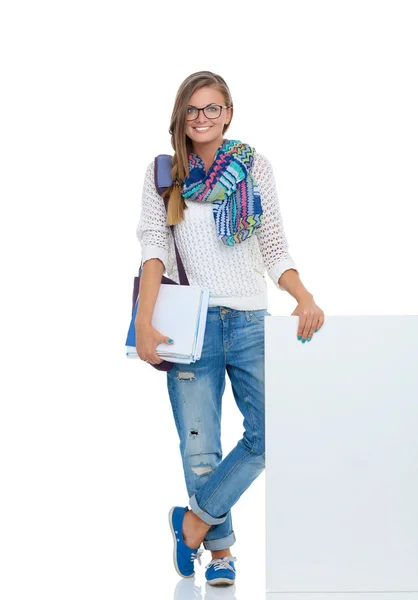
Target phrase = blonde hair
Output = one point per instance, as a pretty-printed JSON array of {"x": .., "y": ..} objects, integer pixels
[{"x": 181, "y": 142}]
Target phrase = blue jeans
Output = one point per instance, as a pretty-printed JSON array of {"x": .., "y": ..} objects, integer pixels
[{"x": 234, "y": 341}]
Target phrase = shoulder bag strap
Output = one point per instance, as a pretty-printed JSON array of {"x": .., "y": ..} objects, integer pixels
[{"x": 163, "y": 179}]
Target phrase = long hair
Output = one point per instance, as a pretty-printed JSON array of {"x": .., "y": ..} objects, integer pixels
[{"x": 181, "y": 142}]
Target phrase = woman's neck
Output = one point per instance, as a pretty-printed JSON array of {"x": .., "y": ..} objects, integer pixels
[{"x": 207, "y": 151}]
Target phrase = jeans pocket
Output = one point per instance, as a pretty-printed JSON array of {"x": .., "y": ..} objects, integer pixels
[{"x": 260, "y": 314}]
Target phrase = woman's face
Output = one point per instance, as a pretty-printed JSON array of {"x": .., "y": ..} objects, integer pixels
[{"x": 211, "y": 128}]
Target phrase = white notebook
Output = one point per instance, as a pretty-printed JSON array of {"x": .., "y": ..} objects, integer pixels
[{"x": 179, "y": 313}]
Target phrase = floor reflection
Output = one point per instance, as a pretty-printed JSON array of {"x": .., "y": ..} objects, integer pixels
[{"x": 187, "y": 589}]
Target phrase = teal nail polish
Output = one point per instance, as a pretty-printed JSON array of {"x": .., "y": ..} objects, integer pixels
[
  {"x": 316, "y": 330},
  {"x": 170, "y": 341},
  {"x": 299, "y": 337},
  {"x": 309, "y": 339},
  {"x": 303, "y": 341}
]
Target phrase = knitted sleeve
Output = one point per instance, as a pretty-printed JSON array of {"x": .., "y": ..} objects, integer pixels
[
  {"x": 152, "y": 230},
  {"x": 271, "y": 236}
]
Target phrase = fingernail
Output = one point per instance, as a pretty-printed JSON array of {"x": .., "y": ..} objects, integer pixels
[
  {"x": 170, "y": 341},
  {"x": 299, "y": 337},
  {"x": 316, "y": 330},
  {"x": 309, "y": 339},
  {"x": 303, "y": 341}
]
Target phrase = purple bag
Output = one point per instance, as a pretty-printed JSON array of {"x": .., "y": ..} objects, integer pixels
[{"x": 163, "y": 179}]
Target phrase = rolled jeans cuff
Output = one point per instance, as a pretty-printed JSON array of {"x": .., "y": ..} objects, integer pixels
[
  {"x": 204, "y": 515},
  {"x": 220, "y": 544}
]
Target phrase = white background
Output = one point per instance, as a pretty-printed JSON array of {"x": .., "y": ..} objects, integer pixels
[{"x": 327, "y": 90}]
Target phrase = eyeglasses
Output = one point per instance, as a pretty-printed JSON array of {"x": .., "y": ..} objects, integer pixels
[{"x": 211, "y": 111}]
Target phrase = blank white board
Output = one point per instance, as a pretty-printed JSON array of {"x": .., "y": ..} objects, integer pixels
[{"x": 342, "y": 455}]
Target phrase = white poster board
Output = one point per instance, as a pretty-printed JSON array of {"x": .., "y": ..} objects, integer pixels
[{"x": 342, "y": 456}]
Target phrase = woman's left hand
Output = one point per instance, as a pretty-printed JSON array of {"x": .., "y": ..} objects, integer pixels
[{"x": 311, "y": 318}]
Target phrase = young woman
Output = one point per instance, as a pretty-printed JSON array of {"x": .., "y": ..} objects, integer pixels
[{"x": 229, "y": 231}]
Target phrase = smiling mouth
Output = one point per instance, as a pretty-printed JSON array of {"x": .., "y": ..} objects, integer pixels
[{"x": 201, "y": 129}]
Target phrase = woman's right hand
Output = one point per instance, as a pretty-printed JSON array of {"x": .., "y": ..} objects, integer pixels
[{"x": 147, "y": 340}]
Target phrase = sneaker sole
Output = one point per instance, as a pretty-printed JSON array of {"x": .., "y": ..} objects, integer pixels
[
  {"x": 170, "y": 521},
  {"x": 221, "y": 580}
]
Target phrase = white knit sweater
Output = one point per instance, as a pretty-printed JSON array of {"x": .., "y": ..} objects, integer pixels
[{"x": 234, "y": 275}]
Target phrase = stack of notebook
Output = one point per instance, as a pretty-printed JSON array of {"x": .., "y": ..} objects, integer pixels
[{"x": 179, "y": 313}]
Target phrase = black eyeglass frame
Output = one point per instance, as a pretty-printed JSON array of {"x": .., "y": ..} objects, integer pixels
[{"x": 203, "y": 109}]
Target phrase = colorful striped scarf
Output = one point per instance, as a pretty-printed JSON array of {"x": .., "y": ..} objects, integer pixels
[{"x": 231, "y": 188}]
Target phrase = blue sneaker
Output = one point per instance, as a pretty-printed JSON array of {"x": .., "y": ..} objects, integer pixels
[
  {"x": 221, "y": 571},
  {"x": 183, "y": 556}
]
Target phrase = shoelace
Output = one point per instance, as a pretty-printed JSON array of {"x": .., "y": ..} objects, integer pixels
[
  {"x": 197, "y": 555},
  {"x": 222, "y": 563}
]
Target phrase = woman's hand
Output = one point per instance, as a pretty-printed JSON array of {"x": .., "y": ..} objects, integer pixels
[
  {"x": 147, "y": 340},
  {"x": 311, "y": 318}
]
